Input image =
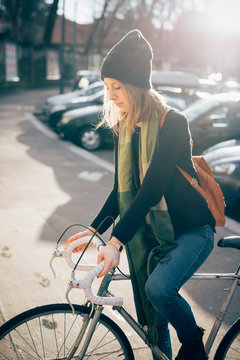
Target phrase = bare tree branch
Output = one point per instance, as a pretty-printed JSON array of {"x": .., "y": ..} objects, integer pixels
[{"x": 95, "y": 26}]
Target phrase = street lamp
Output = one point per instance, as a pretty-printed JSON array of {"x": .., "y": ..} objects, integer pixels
[
  {"x": 62, "y": 51},
  {"x": 74, "y": 39}
]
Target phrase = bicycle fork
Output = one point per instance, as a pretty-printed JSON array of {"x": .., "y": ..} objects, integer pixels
[{"x": 90, "y": 332}]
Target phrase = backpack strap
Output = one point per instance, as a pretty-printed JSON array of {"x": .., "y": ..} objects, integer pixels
[
  {"x": 164, "y": 114},
  {"x": 188, "y": 177},
  {"x": 192, "y": 181}
]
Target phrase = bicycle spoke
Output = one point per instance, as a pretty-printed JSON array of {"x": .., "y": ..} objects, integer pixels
[
  {"x": 4, "y": 357},
  {"x": 18, "y": 348},
  {"x": 27, "y": 343},
  {"x": 40, "y": 326},
  {"x": 55, "y": 335},
  {"x": 66, "y": 336},
  {"x": 30, "y": 334},
  {"x": 234, "y": 351},
  {"x": 96, "y": 347},
  {"x": 99, "y": 346}
]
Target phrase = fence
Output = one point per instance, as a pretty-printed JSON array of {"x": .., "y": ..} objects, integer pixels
[{"x": 27, "y": 66}]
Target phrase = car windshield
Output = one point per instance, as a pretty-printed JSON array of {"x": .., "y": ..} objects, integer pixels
[
  {"x": 93, "y": 90},
  {"x": 199, "y": 107},
  {"x": 222, "y": 145}
]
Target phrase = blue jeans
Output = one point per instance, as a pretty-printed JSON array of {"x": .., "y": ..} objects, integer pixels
[{"x": 168, "y": 277}]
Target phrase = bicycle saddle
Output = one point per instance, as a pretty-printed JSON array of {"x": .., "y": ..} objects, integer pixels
[{"x": 230, "y": 242}]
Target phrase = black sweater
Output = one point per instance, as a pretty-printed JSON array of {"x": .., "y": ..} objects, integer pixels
[{"x": 187, "y": 208}]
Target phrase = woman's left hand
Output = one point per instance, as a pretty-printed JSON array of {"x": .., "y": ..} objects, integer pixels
[{"x": 111, "y": 256}]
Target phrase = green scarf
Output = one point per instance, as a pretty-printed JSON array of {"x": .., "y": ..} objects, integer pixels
[{"x": 150, "y": 249}]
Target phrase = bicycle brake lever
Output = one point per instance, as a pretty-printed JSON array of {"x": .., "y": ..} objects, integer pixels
[{"x": 57, "y": 253}]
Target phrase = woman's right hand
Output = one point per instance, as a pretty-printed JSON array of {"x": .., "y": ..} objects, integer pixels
[{"x": 78, "y": 236}]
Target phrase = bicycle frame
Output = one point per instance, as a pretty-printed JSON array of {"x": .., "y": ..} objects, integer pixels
[
  {"x": 104, "y": 297},
  {"x": 235, "y": 281},
  {"x": 233, "y": 277}
]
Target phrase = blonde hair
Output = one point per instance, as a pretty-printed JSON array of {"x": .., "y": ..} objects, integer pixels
[{"x": 144, "y": 102}]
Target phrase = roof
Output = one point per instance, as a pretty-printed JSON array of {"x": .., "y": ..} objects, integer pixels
[
  {"x": 229, "y": 96},
  {"x": 82, "y": 34}
]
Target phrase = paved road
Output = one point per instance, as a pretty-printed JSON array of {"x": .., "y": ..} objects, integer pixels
[{"x": 45, "y": 186}]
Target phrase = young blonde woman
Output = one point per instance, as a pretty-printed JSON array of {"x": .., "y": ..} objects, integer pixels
[{"x": 165, "y": 224}]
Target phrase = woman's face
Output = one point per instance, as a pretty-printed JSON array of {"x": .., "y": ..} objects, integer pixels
[{"x": 117, "y": 94}]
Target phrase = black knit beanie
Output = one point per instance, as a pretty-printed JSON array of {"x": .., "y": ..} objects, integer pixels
[{"x": 130, "y": 61}]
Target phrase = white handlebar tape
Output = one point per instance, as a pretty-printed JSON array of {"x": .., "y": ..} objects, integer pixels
[
  {"x": 86, "y": 284},
  {"x": 68, "y": 252}
]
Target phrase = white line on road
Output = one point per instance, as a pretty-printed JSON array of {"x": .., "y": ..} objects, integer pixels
[{"x": 73, "y": 148}]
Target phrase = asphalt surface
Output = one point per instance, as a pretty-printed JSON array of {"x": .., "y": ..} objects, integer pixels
[{"x": 47, "y": 184}]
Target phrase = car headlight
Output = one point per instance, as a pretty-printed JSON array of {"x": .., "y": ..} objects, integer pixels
[
  {"x": 227, "y": 168},
  {"x": 57, "y": 108},
  {"x": 65, "y": 120}
]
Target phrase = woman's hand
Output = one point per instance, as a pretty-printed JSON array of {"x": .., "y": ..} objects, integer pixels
[
  {"x": 111, "y": 255},
  {"x": 78, "y": 236}
]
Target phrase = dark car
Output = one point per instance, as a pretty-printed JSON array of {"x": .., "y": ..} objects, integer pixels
[
  {"x": 214, "y": 119},
  {"x": 224, "y": 160},
  {"x": 79, "y": 126},
  {"x": 77, "y": 103},
  {"x": 55, "y": 106}
]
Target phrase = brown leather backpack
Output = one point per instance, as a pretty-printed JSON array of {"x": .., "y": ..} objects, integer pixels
[{"x": 208, "y": 187}]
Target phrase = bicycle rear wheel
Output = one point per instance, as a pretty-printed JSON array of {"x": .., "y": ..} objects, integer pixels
[
  {"x": 229, "y": 347},
  {"x": 49, "y": 332}
]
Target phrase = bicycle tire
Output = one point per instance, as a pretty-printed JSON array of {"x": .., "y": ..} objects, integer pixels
[
  {"x": 229, "y": 347},
  {"x": 49, "y": 331}
]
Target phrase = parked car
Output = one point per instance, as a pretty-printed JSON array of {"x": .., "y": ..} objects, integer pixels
[
  {"x": 224, "y": 160},
  {"x": 181, "y": 79},
  {"x": 178, "y": 98},
  {"x": 84, "y": 78},
  {"x": 56, "y": 105},
  {"x": 79, "y": 126},
  {"x": 214, "y": 119}
]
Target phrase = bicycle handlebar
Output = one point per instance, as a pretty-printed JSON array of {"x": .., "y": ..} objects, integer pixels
[
  {"x": 93, "y": 271},
  {"x": 86, "y": 284}
]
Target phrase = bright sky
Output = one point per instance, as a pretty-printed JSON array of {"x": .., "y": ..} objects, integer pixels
[
  {"x": 83, "y": 13},
  {"x": 222, "y": 16}
]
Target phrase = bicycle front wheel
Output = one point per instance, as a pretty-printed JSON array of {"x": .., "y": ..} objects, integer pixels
[
  {"x": 49, "y": 332},
  {"x": 229, "y": 347}
]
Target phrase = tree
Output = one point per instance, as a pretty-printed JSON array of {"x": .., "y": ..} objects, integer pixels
[
  {"x": 152, "y": 17},
  {"x": 50, "y": 22},
  {"x": 103, "y": 24},
  {"x": 32, "y": 21}
]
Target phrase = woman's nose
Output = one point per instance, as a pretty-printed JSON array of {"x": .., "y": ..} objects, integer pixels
[{"x": 111, "y": 94}]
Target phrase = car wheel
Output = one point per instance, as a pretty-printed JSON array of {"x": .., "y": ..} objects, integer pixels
[{"x": 89, "y": 139}]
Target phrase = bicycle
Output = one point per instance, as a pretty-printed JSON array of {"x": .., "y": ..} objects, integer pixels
[{"x": 67, "y": 331}]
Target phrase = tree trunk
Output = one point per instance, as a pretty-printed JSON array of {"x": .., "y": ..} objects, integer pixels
[{"x": 50, "y": 23}]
